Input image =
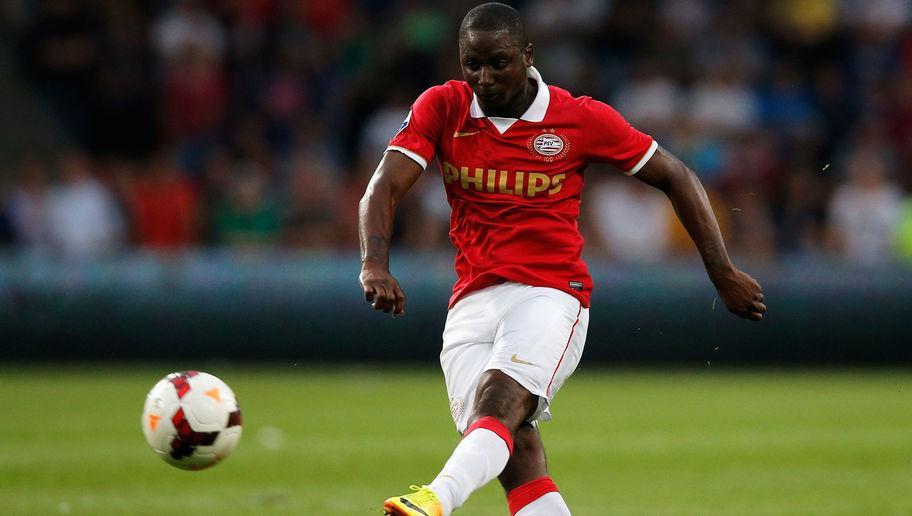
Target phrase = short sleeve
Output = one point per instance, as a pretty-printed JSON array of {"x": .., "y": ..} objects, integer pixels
[
  {"x": 613, "y": 140},
  {"x": 420, "y": 131}
]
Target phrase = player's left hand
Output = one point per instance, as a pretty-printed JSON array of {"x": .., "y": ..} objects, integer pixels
[{"x": 742, "y": 294}]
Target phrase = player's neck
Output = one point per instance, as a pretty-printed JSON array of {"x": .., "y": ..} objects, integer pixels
[{"x": 520, "y": 103}]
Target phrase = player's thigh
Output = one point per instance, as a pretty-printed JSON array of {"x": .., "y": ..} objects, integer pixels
[
  {"x": 540, "y": 342},
  {"x": 462, "y": 369},
  {"x": 468, "y": 339}
]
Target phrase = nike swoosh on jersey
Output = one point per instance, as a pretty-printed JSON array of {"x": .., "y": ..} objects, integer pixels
[
  {"x": 457, "y": 134},
  {"x": 516, "y": 360}
]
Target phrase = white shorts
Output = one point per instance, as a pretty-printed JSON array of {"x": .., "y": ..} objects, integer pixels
[{"x": 535, "y": 335}]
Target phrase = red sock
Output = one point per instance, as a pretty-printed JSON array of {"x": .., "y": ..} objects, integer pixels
[{"x": 529, "y": 492}]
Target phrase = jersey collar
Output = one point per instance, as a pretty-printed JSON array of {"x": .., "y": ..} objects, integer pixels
[{"x": 535, "y": 112}]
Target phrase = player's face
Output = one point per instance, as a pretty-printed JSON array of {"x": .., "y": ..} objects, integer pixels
[{"x": 495, "y": 66}]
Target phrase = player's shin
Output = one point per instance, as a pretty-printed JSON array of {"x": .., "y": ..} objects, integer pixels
[
  {"x": 539, "y": 497},
  {"x": 479, "y": 458}
]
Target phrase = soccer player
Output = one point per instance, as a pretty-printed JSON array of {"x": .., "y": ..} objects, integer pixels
[{"x": 512, "y": 151}]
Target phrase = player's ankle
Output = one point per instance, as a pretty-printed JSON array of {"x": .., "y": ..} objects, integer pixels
[{"x": 443, "y": 488}]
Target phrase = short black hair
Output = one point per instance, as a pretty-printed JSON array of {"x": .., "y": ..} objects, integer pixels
[{"x": 496, "y": 17}]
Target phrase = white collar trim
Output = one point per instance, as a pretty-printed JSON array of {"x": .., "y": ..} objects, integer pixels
[{"x": 535, "y": 112}]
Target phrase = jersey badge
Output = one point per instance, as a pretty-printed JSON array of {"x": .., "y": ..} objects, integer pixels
[
  {"x": 548, "y": 146},
  {"x": 405, "y": 122}
]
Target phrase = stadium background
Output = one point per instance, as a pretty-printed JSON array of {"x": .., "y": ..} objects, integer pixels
[{"x": 178, "y": 189}]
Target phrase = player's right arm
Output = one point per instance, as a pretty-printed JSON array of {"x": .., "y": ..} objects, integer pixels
[
  {"x": 393, "y": 178},
  {"x": 406, "y": 157}
]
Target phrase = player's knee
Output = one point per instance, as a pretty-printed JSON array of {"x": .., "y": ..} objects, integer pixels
[{"x": 502, "y": 397}]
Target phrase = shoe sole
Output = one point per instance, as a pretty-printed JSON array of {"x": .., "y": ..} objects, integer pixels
[{"x": 391, "y": 510}]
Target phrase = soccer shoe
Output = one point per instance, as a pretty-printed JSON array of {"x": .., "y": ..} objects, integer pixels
[{"x": 423, "y": 502}]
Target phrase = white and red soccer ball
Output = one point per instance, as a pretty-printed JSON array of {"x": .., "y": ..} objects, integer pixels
[{"x": 191, "y": 420}]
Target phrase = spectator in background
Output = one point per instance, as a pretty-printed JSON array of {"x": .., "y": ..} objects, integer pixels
[
  {"x": 164, "y": 206},
  {"x": 246, "y": 218},
  {"x": 803, "y": 211},
  {"x": 194, "y": 100},
  {"x": 83, "y": 215},
  {"x": 27, "y": 207},
  {"x": 787, "y": 104},
  {"x": 191, "y": 46},
  {"x": 629, "y": 220},
  {"x": 124, "y": 110},
  {"x": 865, "y": 209},
  {"x": 188, "y": 26},
  {"x": 427, "y": 226},
  {"x": 215, "y": 83},
  {"x": 383, "y": 123},
  {"x": 835, "y": 105},
  {"x": 59, "y": 51},
  {"x": 750, "y": 181},
  {"x": 6, "y": 231},
  {"x": 248, "y": 141},
  {"x": 311, "y": 204},
  {"x": 650, "y": 99},
  {"x": 722, "y": 101},
  {"x": 751, "y": 221},
  {"x": 214, "y": 182},
  {"x": 685, "y": 20},
  {"x": 567, "y": 25},
  {"x": 899, "y": 121},
  {"x": 283, "y": 99}
]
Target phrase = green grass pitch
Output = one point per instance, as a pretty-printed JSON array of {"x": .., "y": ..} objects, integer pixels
[{"x": 337, "y": 441}]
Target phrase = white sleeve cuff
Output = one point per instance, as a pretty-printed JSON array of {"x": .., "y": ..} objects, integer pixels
[
  {"x": 644, "y": 159},
  {"x": 412, "y": 154}
]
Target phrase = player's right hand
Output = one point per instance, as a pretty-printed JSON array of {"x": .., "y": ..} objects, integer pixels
[{"x": 382, "y": 290}]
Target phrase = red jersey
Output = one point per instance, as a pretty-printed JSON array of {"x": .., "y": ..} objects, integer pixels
[{"x": 514, "y": 185}]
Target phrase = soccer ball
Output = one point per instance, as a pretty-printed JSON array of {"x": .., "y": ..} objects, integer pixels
[{"x": 191, "y": 420}]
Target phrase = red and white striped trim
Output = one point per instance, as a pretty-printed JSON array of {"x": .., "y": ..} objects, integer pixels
[
  {"x": 529, "y": 492},
  {"x": 492, "y": 424},
  {"x": 567, "y": 345},
  {"x": 640, "y": 164}
]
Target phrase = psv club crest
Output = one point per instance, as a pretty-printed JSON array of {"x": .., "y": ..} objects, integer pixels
[{"x": 548, "y": 145}]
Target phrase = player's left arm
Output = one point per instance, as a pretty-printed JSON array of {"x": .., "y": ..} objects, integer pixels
[{"x": 741, "y": 293}]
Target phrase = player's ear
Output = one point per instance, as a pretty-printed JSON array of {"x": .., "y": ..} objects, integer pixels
[{"x": 528, "y": 55}]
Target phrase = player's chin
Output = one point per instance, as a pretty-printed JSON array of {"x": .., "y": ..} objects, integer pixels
[{"x": 491, "y": 101}]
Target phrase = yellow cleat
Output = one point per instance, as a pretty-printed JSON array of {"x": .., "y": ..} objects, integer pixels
[{"x": 423, "y": 502}]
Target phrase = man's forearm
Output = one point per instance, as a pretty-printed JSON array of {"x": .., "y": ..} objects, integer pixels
[
  {"x": 695, "y": 212},
  {"x": 375, "y": 224},
  {"x": 393, "y": 178},
  {"x": 741, "y": 293},
  {"x": 375, "y": 249}
]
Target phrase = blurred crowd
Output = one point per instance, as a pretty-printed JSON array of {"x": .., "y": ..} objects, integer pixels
[{"x": 257, "y": 123}]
